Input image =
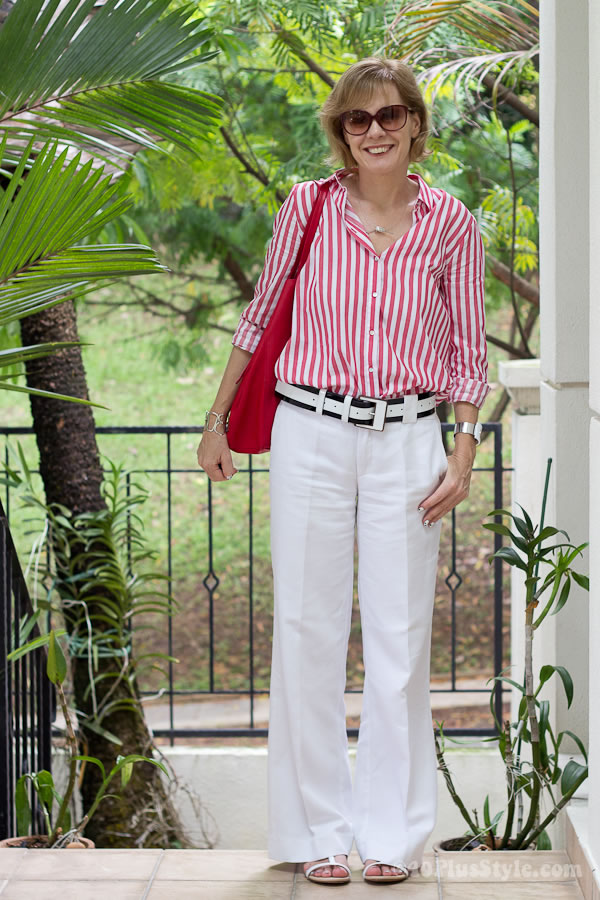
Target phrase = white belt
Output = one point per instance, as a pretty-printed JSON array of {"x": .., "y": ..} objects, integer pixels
[{"x": 364, "y": 412}]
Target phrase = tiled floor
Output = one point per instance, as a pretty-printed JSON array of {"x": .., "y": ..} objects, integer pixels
[{"x": 251, "y": 875}]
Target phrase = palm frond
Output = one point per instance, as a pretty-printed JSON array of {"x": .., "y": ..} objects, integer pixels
[
  {"x": 469, "y": 67},
  {"x": 94, "y": 80},
  {"x": 504, "y": 37},
  {"x": 51, "y": 395},
  {"x": 44, "y": 213}
]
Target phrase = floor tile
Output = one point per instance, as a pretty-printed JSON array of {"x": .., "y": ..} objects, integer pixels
[
  {"x": 220, "y": 890},
  {"x": 362, "y": 890},
  {"x": 533, "y": 890},
  {"x": 76, "y": 890},
  {"x": 65, "y": 865},
  {"x": 222, "y": 865},
  {"x": 502, "y": 866}
]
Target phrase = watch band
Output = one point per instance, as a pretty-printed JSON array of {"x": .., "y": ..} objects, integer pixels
[{"x": 473, "y": 428}]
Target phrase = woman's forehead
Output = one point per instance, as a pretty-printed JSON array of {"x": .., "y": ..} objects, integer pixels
[{"x": 376, "y": 94}]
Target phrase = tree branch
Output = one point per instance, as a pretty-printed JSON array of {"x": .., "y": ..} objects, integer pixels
[
  {"x": 514, "y": 351},
  {"x": 523, "y": 288},
  {"x": 235, "y": 271},
  {"x": 302, "y": 55},
  {"x": 506, "y": 96},
  {"x": 249, "y": 168}
]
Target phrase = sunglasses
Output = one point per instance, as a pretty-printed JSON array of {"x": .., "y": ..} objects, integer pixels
[{"x": 390, "y": 118}]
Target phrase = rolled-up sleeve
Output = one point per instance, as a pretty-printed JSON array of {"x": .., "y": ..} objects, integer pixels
[
  {"x": 288, "y": 228},
  {"x": 464, "y": 283}
]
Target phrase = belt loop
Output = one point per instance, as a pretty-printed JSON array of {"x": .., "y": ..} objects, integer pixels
[
  {"x": 321, "y": 401},
  {"x": 409, "y": 408},
  {"x": 346, "y": 410}
]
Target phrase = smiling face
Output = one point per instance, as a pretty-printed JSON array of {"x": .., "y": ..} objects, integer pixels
[{"x": 380, "y": 151}]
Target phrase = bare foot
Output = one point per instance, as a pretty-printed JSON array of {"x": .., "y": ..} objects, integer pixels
[
  {"x": 329, "y": 870},
  {"x": 383, "y": 868}
]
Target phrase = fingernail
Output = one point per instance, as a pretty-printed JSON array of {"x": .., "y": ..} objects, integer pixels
[
  {"x": 228, "y": 477},
  {"x": 420, "y": 508},
  {"x": 425, "y": 521}
]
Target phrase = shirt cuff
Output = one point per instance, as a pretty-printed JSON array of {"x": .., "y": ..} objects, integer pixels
[
  {"x": 468, "y": 390},
  {"x": 247, "y": 335}
]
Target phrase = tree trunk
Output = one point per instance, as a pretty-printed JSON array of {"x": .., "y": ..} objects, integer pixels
[{"x": 142, "y": 814}]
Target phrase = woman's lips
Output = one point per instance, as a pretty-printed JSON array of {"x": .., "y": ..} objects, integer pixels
[{"x": 379, "y": 150}]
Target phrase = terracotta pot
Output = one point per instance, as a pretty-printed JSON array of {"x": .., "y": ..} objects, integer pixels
[
  {"x": 463, "y": 843},
  {"x": 40, "y": 841}
]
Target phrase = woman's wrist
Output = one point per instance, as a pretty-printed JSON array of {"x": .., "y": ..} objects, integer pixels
[
  {"x": 465, "y": 446},
  {"x": 215, "y": 421}
]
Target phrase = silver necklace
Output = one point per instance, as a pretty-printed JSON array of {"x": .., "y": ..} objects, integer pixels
[{"x": 380, "y": 230}]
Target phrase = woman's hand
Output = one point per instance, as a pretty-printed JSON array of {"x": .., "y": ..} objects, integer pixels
[
  {"x": 214, "y": 456},
  {"x": 453, "y": 489}
]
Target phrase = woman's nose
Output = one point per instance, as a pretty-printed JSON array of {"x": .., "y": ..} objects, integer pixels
[{"x": 375, "y": 129}]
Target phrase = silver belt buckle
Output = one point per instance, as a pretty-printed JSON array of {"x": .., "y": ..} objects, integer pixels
[{"x": 378, "y": 423}]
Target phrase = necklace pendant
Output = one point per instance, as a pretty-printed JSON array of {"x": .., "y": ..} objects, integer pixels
[{"x": 380, "y": 229}]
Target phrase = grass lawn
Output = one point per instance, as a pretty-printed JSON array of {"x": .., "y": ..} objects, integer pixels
[{"x": 125, "y": 374}]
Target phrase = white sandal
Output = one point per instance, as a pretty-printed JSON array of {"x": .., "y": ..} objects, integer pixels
[
  {"x": 328, "y": 879},
  {"x": 385, "y": 878}
]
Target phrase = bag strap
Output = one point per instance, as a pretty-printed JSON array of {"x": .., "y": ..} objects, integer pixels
[{"x": 311, "y": 227}]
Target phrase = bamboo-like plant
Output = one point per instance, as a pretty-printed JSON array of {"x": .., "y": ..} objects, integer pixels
[
  {"x": 60, "y": 831},
  {"x": 529, "y": 780},
  {"x": 96, "y": 575}
]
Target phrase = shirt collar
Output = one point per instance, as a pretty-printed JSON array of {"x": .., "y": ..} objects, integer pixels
[{"x": 425, "y": 196}]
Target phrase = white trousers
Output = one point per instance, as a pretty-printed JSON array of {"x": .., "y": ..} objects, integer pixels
[{"x": 327, "y": 478}]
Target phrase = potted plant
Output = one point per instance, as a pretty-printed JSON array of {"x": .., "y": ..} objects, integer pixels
[
  {"x": 60, "y": 831},
  {"x": 527, "y": 779}
]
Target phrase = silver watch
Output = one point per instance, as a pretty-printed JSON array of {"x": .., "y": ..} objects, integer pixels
[{"x": 473, "y": 428}]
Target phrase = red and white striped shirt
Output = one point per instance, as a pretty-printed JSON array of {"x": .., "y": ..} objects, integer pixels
[{"x": 407, "y": 320}]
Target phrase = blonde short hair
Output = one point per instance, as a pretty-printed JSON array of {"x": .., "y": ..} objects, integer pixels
[{"x": 356, "y": 87}]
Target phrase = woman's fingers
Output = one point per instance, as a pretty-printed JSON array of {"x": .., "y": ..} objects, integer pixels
[
  {"x": 214, "y": 456},
  {"x": 450, "y": 492}
]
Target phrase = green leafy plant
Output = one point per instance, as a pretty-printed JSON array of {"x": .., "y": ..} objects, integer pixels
[
  {"x": 530, "y": 780},
  {"x": 92, "y": 579},
  {"x": 59, "y": 828}
]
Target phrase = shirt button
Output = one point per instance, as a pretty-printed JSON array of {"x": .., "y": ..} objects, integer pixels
[
  {"x": 371, "y": 332},
  {"x": 374, "y": 293},
  {"x": 370, "y": 368}
]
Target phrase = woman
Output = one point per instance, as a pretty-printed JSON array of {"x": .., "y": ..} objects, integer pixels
[{"x": 389, "y": 306}]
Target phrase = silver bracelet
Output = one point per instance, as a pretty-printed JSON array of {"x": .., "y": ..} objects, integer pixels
[{"x": 218, "y": 421}]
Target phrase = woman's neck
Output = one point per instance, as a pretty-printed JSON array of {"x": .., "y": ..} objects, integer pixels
[{"x": 383, "y": 191}]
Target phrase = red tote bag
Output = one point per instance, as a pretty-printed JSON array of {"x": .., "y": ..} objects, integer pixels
[{"x": 254, "y": 405}]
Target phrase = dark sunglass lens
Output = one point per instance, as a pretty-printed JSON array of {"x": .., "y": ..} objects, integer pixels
[
  {"x": 392, "y": 116},
  {"x": 355, "y": 121}
]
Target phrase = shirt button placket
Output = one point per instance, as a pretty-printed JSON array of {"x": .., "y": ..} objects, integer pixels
[{"x": 371, "y": 334}]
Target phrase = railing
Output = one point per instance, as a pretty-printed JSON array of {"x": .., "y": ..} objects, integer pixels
[
  {"x": 211, "y": 578},
  {"x": 27, "y": 706}
]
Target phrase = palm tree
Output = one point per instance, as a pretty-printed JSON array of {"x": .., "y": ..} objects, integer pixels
[{"x": 83, "y": 89}]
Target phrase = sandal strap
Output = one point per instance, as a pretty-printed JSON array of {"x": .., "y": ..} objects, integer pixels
[
  {"x": 321, "y": 865},
  {"x": 381, "y": 863}
]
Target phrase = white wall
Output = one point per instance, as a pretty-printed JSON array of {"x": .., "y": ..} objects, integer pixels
[
  {"x": 229, "y": 785},
  {"x": 564, "y": 311},
  {"x": 594, "y": 351}
]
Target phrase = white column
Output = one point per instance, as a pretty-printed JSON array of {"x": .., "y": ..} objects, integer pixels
[
  {"x": 594, "y": 346},
  {"x": 564, "y": 290}
]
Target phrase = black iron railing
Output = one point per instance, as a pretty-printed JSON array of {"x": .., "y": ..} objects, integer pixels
[
  {"x": 27, "y": 707},
  {"x": 211, "y": 578}
]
